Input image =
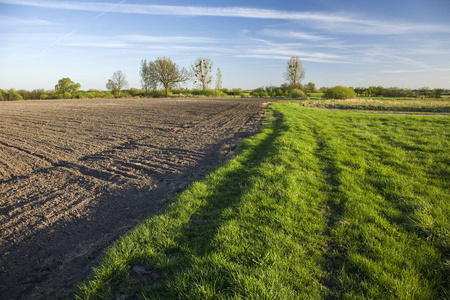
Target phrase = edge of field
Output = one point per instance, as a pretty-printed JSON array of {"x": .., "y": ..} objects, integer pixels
[
  {"x": 386, "y": 105},
  {"x": 237, "y": 232},
  {"x": 142, "y": 257}
]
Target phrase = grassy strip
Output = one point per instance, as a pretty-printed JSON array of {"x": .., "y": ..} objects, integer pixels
[
  {"x": 237, "y": 233},
  {"x": 319, "y": 204},
  {"x": 390, "y": 178},
  {"x": 400, "y": 105}
]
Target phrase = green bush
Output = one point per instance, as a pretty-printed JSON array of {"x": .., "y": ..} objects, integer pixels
[
  {"x": 296, "y": 93},
  {"x": 208, "y": 93},
  {"x": 339, "y": 92},
  {"x": 124, "y": 95},
  {"x": 157, "y": 93},
  {"x": 107, "y": 95},
  {"x": 263, "y": 94},
  {"x": 196, "y": 92},
  {"x": 13, "y": 95}
]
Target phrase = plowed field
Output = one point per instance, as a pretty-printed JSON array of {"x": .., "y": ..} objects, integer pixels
[{"x": 76, "y": 174}]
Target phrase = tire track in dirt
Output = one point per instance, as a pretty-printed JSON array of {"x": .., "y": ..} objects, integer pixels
[{"x": 76, "y": 174}]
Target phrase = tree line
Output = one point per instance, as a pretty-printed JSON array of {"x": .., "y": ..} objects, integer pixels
[{"x": 162, "y": 77}]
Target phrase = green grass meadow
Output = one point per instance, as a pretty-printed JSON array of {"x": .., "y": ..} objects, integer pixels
[{"x": 318, "y": 205}]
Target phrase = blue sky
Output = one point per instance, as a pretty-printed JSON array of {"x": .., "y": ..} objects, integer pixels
[{"x": 352, "y": 43}]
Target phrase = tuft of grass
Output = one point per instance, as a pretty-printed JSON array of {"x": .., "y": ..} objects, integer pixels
[{"x": 320, "y": 204}]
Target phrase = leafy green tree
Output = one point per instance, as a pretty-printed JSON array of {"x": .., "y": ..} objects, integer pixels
[
  {"x": 202, "y": 69},
  {"x": 13, "y": 95},
  {"x": 294, "y": 73},
  {"x": 375, "y": 91},
  {"x": 149, "y": 77},
  {"x": 360, "y": 91},
  {"x": 24, "y": 93},
  {"x": 425, "y": 92},
  {"x": 65, "y": 87},
  {"x": 163, "y": 71},
  {"x": 310, "y": 87},
  {"x": 36, "y": 93},
  {"x": 436, "y": 93}
]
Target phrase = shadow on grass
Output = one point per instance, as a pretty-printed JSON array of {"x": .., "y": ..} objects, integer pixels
[
  {"x": 335, "y": 256},
  {"x": 193, "y": 241}
]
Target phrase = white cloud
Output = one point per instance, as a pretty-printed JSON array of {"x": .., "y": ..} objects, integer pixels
[
  {"x": 325, "y": 21},
  {"x": 310, "y": 58},
  {"x": 293, "y": 35},
  {"x": 416, "y": 71},
  {"x": 165, "y": 39},
  {"x": 133, "y": 40},
  {"x": 10, "y": 21}
]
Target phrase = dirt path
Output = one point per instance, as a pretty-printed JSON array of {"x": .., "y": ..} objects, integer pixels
[{"x": 76, "y": 174}]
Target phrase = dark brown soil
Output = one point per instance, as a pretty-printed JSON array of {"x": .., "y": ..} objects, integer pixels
[{"x": 77, "y": 174}]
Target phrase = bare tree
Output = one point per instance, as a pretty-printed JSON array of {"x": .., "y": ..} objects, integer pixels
[
  {"x": 167, "y": 73},
  {"x": 294, "y": 72},
  {"x": 218, "y": 79},
  {"x": 117, "y": 82},
  {"x": 202, "y": 69}
]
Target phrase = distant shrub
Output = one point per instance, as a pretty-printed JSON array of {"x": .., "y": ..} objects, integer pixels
[
  {"x": 339, "y": 92},
  {"x": 1, "y": 96},
  {"x": 79, "y": 95},
  {"x": 234, "y": 92},
  {"x": 437, "y": 93},
  {"x": 124, "y": 95},
  {"x": 208, "y": 93},
  {"x": 44, "y": 96},
  {"x": 25, "y": 94},
  {"x": 157, "y": 93},
  {"x": 136, "y": 92},
  {"x": 13, "y": 95},
  {"x": 65, "y": 95},
  {"x": 217, "y": 94},
  {"x": 263, "y": 94},
  {"x": 296, "y": 93},
  {"x": 107, "y": 95}
]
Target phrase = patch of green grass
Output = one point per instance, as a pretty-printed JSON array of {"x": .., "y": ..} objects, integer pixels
[
  {"x": 320, "y": 204},
  {"x": 315, "y": 94},
  {"x": 386, "y": 104}
]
